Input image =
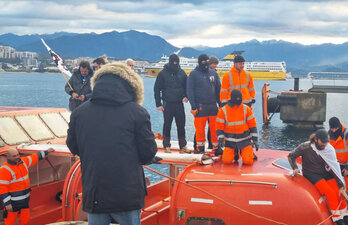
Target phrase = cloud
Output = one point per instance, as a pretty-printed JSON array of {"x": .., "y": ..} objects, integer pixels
[{"x": 184, "y": 23}]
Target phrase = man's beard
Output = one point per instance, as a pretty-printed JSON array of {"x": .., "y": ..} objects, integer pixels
[{"x": 318, "y": 147}]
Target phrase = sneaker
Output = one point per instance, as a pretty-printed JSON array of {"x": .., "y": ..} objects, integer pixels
[
  {"x": 255, "y": 156},
  {"x": 185, "y": 150},
  {"x": 167, "y": 150}
]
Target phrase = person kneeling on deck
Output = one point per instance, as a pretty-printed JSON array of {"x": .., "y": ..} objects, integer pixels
[
  {"x": 236, "y": 124},
  {"x": 15, "y": 185},
  {"x": 320, "y": 167}
]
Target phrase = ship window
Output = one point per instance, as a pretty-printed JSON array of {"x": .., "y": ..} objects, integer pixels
[
  {"x": 11, "y": 133},
  {"x": 204, "y": 221},
  {"x": 35, "y": 128},
  {"x": 56, "y": 123},
  {"x": 284, "y": 164},
  {"x": 66, "y": 116}
]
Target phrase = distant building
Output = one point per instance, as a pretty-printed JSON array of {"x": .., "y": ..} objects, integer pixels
[{"x": 29, "y": 59}]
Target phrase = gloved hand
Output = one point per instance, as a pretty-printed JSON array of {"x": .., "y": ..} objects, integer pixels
[
  {"x": 156, "y": 160},
  {"x": 256, "y": 146},
  {"x": 194, "y": 112}
]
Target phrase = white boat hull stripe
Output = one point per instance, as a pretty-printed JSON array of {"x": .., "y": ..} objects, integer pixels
[
  {"x": 202, "y": 200},
  {"x": 260, "y": 202}
]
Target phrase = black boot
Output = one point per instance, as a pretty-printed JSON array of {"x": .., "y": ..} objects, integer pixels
[
  {"x": 340, "y": 222},
  {"x": 199, "y": 150},
  {"x": 345, "y": 218}
]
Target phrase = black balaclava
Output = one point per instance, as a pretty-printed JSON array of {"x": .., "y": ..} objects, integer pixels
[
  {"x": 173, "y": 58},
  {"x": 204, "y": 66},
  {"x": 236, "y": 98},
  {"x": 334, "y": 122}
]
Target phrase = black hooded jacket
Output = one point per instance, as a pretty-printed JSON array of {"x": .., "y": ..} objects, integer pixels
[
  {"x": 171, "y": 84},
  {"x": 112, "y": 135}
]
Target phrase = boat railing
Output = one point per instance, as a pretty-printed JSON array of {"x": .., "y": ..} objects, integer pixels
[
  {"x": 321, "y": 82},
  {"x": 230, "y": 182}
]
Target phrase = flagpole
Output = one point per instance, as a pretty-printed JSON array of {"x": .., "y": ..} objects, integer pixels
[{"x": 67, "y": 81}]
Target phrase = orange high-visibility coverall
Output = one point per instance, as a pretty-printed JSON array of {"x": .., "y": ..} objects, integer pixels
[
  {"x": 241, "y": 80},
  {"x": 237, "y": 125},
  {"x": 341, "y": 147},
  {"x": 15, "y": 188}
]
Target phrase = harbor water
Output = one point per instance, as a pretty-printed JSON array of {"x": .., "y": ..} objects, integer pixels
[{"x": 47, "y": 90}]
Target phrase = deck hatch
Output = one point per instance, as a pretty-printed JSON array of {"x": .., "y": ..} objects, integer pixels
[
  {"x": 56, "y": 123},
  {"x": 66, "y": 115},
  {"x": 34, "y": 126},
  {"x": 11, "y": 133}
]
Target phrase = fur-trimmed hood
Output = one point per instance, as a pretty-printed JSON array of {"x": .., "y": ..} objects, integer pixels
[{"x": 123, "y": 75}]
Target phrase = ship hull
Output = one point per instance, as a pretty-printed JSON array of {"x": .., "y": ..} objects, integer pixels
[{"x": 257, "y": 75}]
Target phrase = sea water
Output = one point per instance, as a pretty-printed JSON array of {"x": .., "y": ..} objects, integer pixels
[{"x": 47, "y": 90}]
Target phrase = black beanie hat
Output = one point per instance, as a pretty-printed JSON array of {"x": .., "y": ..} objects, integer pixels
[
  {"x": 238, "y": 58},
  {"x": 236, "y": 97},
  {"x": 334, "y": 122},
  {"x": 202, "y": 58},
  {"x": 322, "y": 135},
  {"x": 173, "y": 58}
]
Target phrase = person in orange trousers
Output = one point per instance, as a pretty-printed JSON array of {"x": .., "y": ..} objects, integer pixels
[
  {"x": 320, "y": 167},
  {"x": 339, "y": 140},
  {"x": 203, "y": 88},
  {"x": 15, "y": 185},
  {"x": 236, "y": 124}
]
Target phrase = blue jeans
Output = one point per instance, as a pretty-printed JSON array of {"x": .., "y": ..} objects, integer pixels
[{"x": 123, "y": 218}]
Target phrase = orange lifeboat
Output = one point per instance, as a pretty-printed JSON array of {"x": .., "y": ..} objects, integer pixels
[
  {"x": 236, "y": 194},
  {"x": 194, "y": 192}
]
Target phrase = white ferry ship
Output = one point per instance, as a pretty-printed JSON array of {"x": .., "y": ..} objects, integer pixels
[{"x": 259, "y": 70}]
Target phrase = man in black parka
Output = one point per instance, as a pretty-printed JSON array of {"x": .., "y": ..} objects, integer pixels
[
  {"x": 170, "y": 87},
  {"x": 80, "y": 84},
  {"x": 112, "y": 135}
]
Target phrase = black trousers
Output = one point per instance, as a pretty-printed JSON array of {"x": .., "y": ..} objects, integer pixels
[{"x": 174, "y": 110}]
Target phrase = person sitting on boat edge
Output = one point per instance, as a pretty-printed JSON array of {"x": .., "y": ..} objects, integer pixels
[
  {"x": 112, "y": 134},
  {"x": 320, "y": 167},
  {"x": 339, "y": 140},
  {"x": 80, "y": 90},
  {"x": 15, "y": 185},
  {"x": 236, "y": 124},
  {"x": 170, "y": 89},
  {"x": 203, "y": 92}
]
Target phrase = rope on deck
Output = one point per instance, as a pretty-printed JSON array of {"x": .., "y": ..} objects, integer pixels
[{"x": 227, "y": 203}]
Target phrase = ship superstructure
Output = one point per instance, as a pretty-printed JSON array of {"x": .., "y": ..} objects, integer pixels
[{"x": 259, "y": 70}]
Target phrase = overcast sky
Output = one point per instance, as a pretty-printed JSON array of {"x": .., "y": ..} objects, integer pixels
[{"x": 185, "y": 23}]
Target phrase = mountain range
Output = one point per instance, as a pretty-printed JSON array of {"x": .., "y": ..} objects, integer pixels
[{"x": 300, "y": 59}]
